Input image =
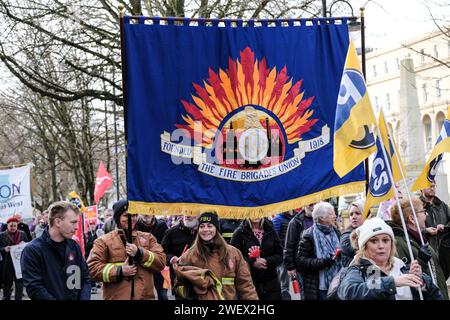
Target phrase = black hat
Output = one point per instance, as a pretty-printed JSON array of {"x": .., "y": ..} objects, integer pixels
[
  {"x": 119, "y": 208},
  {"x": 209, "y": 217}
]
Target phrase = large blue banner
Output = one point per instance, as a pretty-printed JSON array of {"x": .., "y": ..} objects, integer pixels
[{"x": 238, "y": 120}]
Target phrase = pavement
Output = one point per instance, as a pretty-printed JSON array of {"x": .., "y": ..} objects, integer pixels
[{"x": 98, "y": 295}]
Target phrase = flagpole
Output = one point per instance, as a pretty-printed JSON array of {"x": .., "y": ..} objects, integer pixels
[
  {"x": 363, "y": 65},
  {"x": 397, "y": 157},
  {"x": 383, "y": 149},
  {"x": 124, "y": 99}
]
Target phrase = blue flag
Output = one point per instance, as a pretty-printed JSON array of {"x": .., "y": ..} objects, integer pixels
[{"x": 237, "y": 120}]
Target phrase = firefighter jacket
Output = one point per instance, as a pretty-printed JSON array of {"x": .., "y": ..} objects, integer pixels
[{"x": 108, "y": 256}]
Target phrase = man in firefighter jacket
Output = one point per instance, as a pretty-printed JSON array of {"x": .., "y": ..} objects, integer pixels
[{"x": 109, "y": 259}]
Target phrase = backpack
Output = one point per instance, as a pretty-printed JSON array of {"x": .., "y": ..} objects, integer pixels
[{"x": 334, "y": 285}]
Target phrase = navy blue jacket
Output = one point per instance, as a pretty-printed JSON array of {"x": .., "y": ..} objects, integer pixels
[
  {"x": 49, "y": 276},
  {"x": 355, "y": 285}
]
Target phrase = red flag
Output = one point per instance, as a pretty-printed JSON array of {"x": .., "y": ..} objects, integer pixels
[
  {"x": 102, "y": 182},
  {"x": 79, "y": 236}
]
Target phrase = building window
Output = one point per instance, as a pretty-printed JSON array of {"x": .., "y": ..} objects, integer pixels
[
  {"x": 422, "y": 56},
  {"x": 374, "y": 70},
  {"x": 376, "y": 102},
  {"x": 425, "y": 92},
  {"x": 440, "y": 121},
  {"x": 427, "y": 129},
  {"x": 398, "y": 63},
  {"x": 438, "y": 89},
  {"x": 388, "y": 101},
  {"x": 436, "y": 52},
  {"x": 386, "y": 69}
]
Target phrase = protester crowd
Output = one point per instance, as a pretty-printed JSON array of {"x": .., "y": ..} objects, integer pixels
[{"x": 305, "y": 251}]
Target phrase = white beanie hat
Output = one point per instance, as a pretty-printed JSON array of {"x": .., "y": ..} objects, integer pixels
[{"x": 372, "y": 227}]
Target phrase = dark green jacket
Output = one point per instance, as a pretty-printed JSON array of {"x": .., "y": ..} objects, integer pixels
[
  {"x": 437, "y": 213},
  {"x": 403, "y": 254}
]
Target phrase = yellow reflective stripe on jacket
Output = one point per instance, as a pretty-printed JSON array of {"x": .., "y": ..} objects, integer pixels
[
  {"x": 107, "y": 269},
  {"x": 227, "y": 234},
  {"x": 228, "y": 281},
  {"x": 150, "y": 259},
  {"x": 217, "y": 286},
  {"x": 105, "y": 272}
]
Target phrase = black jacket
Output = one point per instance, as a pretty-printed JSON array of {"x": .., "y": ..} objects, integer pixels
[
  {"x": 8, "y": 267},
  {"x": 309, "y": 265},
  {"x": 348, "y": 252},
  {"x": 294, "y": 232},
  {"x": 437, "y": 213},
  {"x": 22, "y": 227},
  {"x": 174, "y": 242},
  {"x": 46, "y": 274},
  {"x": 227, "y": 227},
  {"x": 157, "y": 230},
  {"x": 271, "y": 250}
]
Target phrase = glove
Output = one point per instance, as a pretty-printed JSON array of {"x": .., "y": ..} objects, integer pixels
[
  {"x": 328, "y": 262},
  {"x": 425, "y": 253}
]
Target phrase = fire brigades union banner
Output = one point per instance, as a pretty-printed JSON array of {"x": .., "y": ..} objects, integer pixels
[
  {"x": 15, "y": 193},
  {"x": 234, "y": 119}
]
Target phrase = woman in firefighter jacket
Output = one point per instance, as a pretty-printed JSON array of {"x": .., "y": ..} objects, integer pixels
[
  {"x": 109, "y": 260},
  {"x": 223, "y": 267}
]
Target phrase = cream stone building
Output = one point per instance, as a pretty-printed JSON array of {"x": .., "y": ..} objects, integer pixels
[{"x": 412, "y": 83}]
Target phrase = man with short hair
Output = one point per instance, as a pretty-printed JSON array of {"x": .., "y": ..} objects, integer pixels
[
  {"x": 53, "y": 267},
  {"x": 178, "y": 239},
  {"x": 438, "y": 215}
]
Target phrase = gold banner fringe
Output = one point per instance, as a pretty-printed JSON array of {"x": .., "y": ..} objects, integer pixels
[{"x": 168, "y": 209}]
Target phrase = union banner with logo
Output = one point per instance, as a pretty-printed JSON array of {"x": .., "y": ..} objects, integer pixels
[
  {"x": 233, "y": 119},
  {"x": 15, "y": 193}
]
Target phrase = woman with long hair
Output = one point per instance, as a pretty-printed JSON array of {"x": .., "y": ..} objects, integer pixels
[
  {"x": 214, "y": 269},
  {"x": 259, "y": 234}
]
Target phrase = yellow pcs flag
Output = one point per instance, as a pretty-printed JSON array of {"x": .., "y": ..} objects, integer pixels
[
  {"x": 353, "y": 137},
  {"x": 76, "y": 199},
  {"x": 381, "y": 187},
  {"x": 393, "y": 150},
  {"x": 442, "y": 145}
]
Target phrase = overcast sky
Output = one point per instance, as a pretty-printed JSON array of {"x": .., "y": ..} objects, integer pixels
[{"x": 391, "y": 22}]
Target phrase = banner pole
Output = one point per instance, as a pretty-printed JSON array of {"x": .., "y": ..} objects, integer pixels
[
  {"x": 363, "y": 65},
  {"x": 391, "y": 177},
  {"x": 397, "y": 157},
  {"x": 124, "y": 99},
  {"x": 13, "y": 166}
]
